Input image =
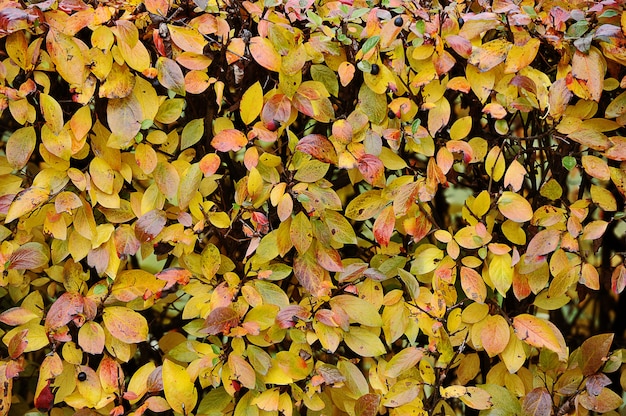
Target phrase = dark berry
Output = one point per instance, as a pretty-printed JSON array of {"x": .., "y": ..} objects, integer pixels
[
  {"x": 375, "y": 69},
  {"x": 398, "y": 21},
  {"x": 391, "y": 114},
  {"x": 82, "y": 376}
]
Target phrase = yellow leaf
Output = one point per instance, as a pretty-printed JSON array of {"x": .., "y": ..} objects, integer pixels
[
  {"x": 66, "y": 56},
  {"x": 364, "y": 342},
  {"x": 301, "y": 232},
  {"x": 52, "y": 112},
  {"x": 515, "y": 207},
  {"x": 102, "y": 175},
  {"x": 25, "y": 202},
  {"x": 358, "y": 310},
  {"x": 187, "y": 39},
  {"x": 251, "y": 103},
  {"x": 20, "y": 147},
  {"x": 514, "y": 176},
  {"x": 501, "y": 272},
  {"x": 520, "y": 56},
  {"x": 495, "y": 163},
  {"x": 461, "y": 128},
  {"x": 179, "y": 389},
  {"x": 125, "y": 324},
  {"x": 540, "y": 333},
  {"x": 603, "y": 198}
]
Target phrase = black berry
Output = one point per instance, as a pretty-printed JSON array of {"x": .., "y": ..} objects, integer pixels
[
  {"x": 82, "y": 376},
  {"x": 398, "y": 21},
  {"x": 391, "y": 114},
  {"x": 375, "y": 69}
]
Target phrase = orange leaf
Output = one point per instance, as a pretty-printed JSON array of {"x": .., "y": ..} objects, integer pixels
[
  {"x": 372, "y": 169},
  {"x": 515, "y": 207},
  {"x": 229, "y": 140},
  {"x": 494, "y": 334},
  {"x": 63, "y": 310},
  {"x": 264, "y": 53},
  {"x": 473, "y": 285}
]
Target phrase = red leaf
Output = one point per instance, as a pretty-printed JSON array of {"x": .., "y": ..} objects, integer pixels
[
  {"x": 384, "y": 225},
  {"x": 289, "y": 315},
  {"x": 45, "y": 398},
  {"x": 319, "y": 147},
  {"x": 372, "y": 169}
]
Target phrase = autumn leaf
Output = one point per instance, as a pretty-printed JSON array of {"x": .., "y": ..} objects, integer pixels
[
  {"x": 179, "y": 389},
  {"x": 229, "y": 140},
  {"x": 540, "y": 333},
  {"x": 221, "y": 320},
  {"x": 125, "y": 324},
  {"x": 29, "y": 256}
]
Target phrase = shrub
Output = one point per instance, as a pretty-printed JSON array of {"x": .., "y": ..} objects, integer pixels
[{"x": 335, "y": 207}]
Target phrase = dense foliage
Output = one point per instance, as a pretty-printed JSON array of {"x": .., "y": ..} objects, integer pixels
[{"x": 311, "y": 207}]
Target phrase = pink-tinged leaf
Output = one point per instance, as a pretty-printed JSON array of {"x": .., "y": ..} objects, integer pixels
[
  {"x": 473, "y": 285},
  {"x": 125, "y": 324},
  {"x": 111, "y": 375},
  {"x": 29, "y": 256},
  {"x": 319, "y": 147},
  {"x": 17, "y": 316},
  {"x": 372, "y": 169},
  {"x": 126, "y": 241},
  {"x": 313, "y": 277},
  {"x": 174, "y": 275},
  {"x": 220, "y": 321},
  {"x": 91, "y": 338},
  {"x": 540, "y": 333},
  {"x": 170, "y": 75},
  {"x": 515, "y": 207},
  {"x": 276, "y": 111},
  {"x": 63, "y": 310},
  {"x": 589, "y": 68},
  {"x": 544, "y": 242},
  {"x": 264, "y": 54},
  {"x": 460, "y": 45},
  {"x": 618, "y": 149},
  {"x": 290, "y": 315},
  {"x": 150, "y": 225},
  {"x": 328, "y": 257},
  {"x": 229, "y": 140},
  {"x": 384, "y": 226},
  {"x": 537, "y": 402}
]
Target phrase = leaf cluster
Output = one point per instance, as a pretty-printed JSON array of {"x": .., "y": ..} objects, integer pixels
[{"x": 311, "y": 207}]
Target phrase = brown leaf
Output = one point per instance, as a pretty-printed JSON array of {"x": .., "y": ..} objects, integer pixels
[
  {"x": 593, "y": 352},
  {"x": 220, "y": 321},
  {"x": 313, "y": 277},
  {"x": 537, "y": 403},
  {"x": 367, "y": 405}
]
